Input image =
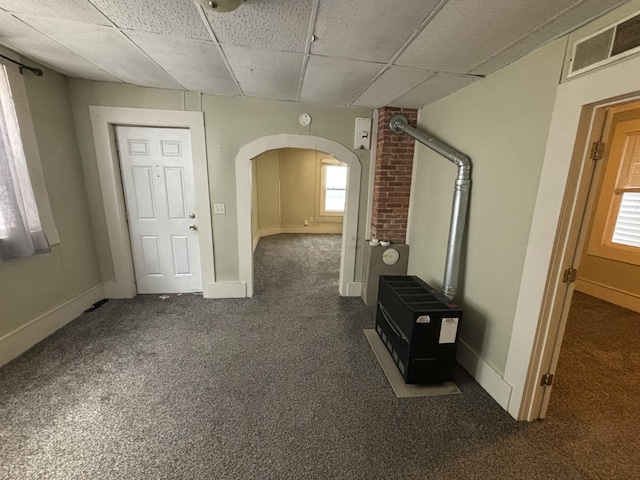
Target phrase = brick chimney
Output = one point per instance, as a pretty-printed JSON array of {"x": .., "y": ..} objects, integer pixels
[{"x": 392, "y": 177}]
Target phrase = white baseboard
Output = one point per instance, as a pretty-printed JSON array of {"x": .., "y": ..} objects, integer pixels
[
  {"x": 484, "y": 374},
  {"x": 266, "y": 232},
  {"x": 119, "y": 290},
  {"x": 226, "y": 290},
  {"x": 326, "y": 229},
  {"x": 26, "y": 336},
  {"x": 609, "y": 294},
  {"x": 354, "y": 289},
  {"x": 331, "y": 229}
]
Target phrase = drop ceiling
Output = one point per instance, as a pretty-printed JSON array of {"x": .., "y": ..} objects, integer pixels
[{"x": 367, "y": 53}]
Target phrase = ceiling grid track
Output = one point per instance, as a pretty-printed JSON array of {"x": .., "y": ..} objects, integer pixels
[
  {"x": 531, "y": 32},
  {"x": 68, "y": 49},
  {"x": 410, "y": 40},
  {"x": 149, "y": 57},
  {"x": 307, "y": 49},
  {"x": 361, "y": 53},
  {"x": 220, "y": 50}
]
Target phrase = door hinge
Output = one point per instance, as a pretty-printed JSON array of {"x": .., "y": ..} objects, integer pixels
[
  {"x": 569, "y": 275},
  {"x": 597, "y": 150},
  {"x": 547, "y": 380},
  {"x": 126, "y": 216}
]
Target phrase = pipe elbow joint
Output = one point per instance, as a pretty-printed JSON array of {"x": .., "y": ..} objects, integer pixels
[{"x": 397, "y": 122}]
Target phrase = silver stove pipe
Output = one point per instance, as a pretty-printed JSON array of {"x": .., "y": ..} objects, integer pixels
[{"x": 399, "y": 124}]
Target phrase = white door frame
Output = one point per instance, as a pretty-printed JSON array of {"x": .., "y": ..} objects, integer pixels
[
  {"x": 103, "y": 121},
  {"x": 347, "y": 286},
  {"x": 549, "y": 250}
]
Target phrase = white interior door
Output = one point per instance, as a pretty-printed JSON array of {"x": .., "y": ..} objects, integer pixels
[{"x": 157, "y": 176}]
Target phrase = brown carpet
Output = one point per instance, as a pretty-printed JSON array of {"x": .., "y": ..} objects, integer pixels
[{"x": 597, "y": 388}]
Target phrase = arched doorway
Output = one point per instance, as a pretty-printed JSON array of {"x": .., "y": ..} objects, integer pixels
[{"x": 346, "y": 286}]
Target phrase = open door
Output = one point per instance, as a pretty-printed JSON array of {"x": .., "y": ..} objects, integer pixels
[{"x": 601, "y": 198}]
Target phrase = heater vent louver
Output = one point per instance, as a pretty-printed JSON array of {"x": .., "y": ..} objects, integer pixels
[{"x": 614, "y": 42}]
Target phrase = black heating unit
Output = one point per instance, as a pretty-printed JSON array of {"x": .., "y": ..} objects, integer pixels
[{"x": 419, "y": 327}]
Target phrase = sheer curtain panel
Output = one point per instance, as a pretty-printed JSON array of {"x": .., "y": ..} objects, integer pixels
[{"x": 21, "y": 233}]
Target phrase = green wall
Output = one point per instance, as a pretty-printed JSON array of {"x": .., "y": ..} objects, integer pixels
[
  {"x": 33, "y": 286},
  {"x": 230, "y": 124},
  {"x": 501, "y": 123}
]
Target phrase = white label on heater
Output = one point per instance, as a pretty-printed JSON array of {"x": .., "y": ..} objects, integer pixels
[
  {"x": 424, "y": 319},
  {"x": 448, "y": 330}
]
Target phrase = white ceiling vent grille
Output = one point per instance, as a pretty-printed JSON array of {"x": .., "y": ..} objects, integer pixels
[{"x": 607, "y": 45}]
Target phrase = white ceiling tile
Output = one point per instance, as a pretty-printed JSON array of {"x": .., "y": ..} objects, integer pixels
[
  {"x": 107, "y": 48},
  {"x": 266, "y": 74},
  {"x": 371, "y": 30},
  {"x": 336, "y": 81},
  {"x": 280, "y": 25},
  {"x": 265, "y": 41},
  {"x": 20, "y": 37},
  {"x": 433, "y": 89},
  {"x": 179, "y": 18},
  {"x": 564, "y": 23},
  {"x": 195, "y": 64},
  {"x": 467, "y": 32},
  {"x": 74, "y": 10},
  {"x": 393, "y": 83}
]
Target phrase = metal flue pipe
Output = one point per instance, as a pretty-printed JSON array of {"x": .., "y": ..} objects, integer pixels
[{"x": 399, "y": 124}]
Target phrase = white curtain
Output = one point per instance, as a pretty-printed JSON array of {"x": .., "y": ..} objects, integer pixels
[{"x": 21, "y": 233}]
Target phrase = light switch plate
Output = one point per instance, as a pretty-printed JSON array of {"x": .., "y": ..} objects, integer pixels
[{"x": 219, "y": 209}]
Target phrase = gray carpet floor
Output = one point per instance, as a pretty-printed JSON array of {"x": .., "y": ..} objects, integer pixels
[{"x": 280, "y": 386}]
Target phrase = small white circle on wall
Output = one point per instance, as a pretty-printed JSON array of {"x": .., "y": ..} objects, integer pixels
[
  {"x": 304, "y": 119},
  {"x": 390, "y": 256}
]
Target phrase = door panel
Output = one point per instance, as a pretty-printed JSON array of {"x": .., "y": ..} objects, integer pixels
[
  {"x": 157, "y": 176},
  {"x": 143, "y": 190},
  {"x": 151, "y": 254},
  {"x": 174, "y": 186}
]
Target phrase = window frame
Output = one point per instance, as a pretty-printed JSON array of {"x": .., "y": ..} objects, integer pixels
[
  {"x": 30, "y": 146},
  {"x": 609, "y": 199},
  {"x": 328, "y": 162}
]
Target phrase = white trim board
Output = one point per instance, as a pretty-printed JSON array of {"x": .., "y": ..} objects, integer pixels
[
  {"x": 372, "y": 171},
  {"x": 226, "y": 290},
  {"x": 484, "y": 374},
  {"x": 23, "y": 338},
  {"x": 103, "y": 120},
  {"x": 322, "y": 229},
  {"x": 609, "y": 294},
  {"x": 318, "y": 229},
  {"x": 244, "y": 202},
  {"x": 354, "y": 289},
  {"x": 530, "y": 337}
]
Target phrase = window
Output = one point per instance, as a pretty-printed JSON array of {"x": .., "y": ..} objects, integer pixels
[
  {"x": 616, "y": 225},
  {"x": 21, "y": 232},
  {"x": 627, "y": 227},
  {"x": 333, "y": 187}
]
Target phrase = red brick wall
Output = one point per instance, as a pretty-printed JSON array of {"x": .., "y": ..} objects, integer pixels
[{"x": 392, "y": 177}]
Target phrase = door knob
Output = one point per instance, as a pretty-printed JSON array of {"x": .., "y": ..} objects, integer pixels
[{"x": 193, "y": 227}]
